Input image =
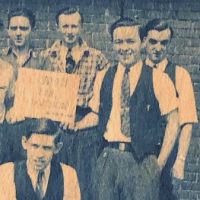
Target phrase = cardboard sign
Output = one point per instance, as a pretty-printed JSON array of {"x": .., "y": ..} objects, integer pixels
[{"x": 44, "y": 94}]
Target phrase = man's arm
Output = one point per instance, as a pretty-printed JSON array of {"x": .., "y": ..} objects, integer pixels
[
  {"x": 184, "y": 142},
  {"x": 71, "y": 183},
  {"x": 187, "y": 117},
  {"x": 170, "y": 136},
  {"x": 92, "y": 119},
  {"x": 7, "y": 184},
  {"x": 6, "y": 83},
  {"x": 2, "y": 106},
  {"x": 166, "y": 94}
]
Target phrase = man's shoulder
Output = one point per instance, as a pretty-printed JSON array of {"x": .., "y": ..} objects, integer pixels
[
  {"x": 4, "y": 63},
  {"x": 181, "y": 70},
  {"x": 5, "y": 66},
  {"x": 94, "y": 52},
  {"x": 51, "y": 52},
  {"x": 5, "y": 51},
  {"x": 6, "y": 168},
  {"x": 67, "y": 169}
]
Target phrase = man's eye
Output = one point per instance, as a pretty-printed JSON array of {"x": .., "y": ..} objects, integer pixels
[
  {"x": 74, "y": 26},
  {"x": 130, "y": 41},
  {"x": 35, "y": 146},
  {"x": 13, "y": 28},
  {"x": 47, "y": 148},
  {"x": 152, "y": 41},
  {"x": 65, "y": 26},
  {"x": 164, "y": 42},
  {"x": 118, "y": 41},
  {"x": 23, "y": 28}
]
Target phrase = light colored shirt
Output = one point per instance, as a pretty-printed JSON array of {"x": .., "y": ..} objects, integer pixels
[
  {"x": 33, "y": 174},
  {"x": 6, "y": 72},
  {"x": 8, "y": 189},
  {"x": 163, "y": 89},
  {"x": 186, "y": 100}
]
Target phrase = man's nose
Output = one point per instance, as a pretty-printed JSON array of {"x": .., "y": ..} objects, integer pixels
[
  {"x": 18, "y": 32},
  {"x": 124, "y": 46},
  {"x": 69, "y": 30},
  {"x": 159, "y": 46},
  {"x": 40, "y": 152}
]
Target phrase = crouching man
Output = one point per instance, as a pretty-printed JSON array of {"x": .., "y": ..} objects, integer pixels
[{"x": 38, "y": 177}]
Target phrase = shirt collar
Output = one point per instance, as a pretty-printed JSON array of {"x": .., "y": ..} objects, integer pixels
[
  {"x": 33, "y": 174},
  {"x": 77, "y": 51},
  {"x": 10, "y": 50},
  {"x": 161, "y": 66},
  {"x": 136, "y": 65}
]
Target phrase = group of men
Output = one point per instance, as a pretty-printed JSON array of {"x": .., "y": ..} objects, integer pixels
[{"x": 133, "y": 121}]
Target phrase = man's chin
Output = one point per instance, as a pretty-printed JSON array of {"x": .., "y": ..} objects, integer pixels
[
  {"x": 40, "y": 166},
  {"x": 19, "y": 44},
  {"x": 70, "y": 42},
  {"x": 128, "y": 62}
]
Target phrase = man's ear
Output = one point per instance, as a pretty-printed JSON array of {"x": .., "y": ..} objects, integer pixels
[
  {"x": 144, "y": 42},
  {"x": 24, "y": 142},
  {"x": 58, "y": 147},
  {"x": 57, "y": 28}
]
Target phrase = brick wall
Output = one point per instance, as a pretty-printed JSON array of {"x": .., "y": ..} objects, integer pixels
[{"x": 184, "y": 17}]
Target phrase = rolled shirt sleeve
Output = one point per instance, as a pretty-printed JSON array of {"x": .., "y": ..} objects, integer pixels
[
  {"x": 7, "y": 184},
  {"x": 71, "y": 184},
  {"x": 164, "y": 91},
  {"x": 186, "y": 99}
]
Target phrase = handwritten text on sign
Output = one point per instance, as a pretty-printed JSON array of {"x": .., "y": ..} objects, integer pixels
[{"x": 44, "y": 94}]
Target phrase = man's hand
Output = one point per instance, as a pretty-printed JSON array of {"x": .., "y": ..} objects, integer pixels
[
  {"x": 160, "y": 164},
  {"x": 90, "y": 120},
  {"x": 12, "y": 116},
  {"x": 178, "y": 169},
  {"x": 67, "y": 125}
]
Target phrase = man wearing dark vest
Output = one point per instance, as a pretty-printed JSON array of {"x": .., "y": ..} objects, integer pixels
[
  {"x": 157, "y": 37},
  {"x": 130, "y": 113},
  {"x": 20, "y": 53},
  {"x": 38, "y": 177}
]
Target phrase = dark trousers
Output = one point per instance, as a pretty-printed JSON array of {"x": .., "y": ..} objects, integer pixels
[
  {"x": 166, "y": 182},
  {"x": 119, "y": 177},
  {"x": 10, "y": 142},
  {"x": 81, "y": 150}
]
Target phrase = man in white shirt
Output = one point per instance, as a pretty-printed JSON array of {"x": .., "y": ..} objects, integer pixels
[
  {"x": 157, "y": 37},
  {"x": 38, "y": 177},
  {"x": 129, "y": 166}
]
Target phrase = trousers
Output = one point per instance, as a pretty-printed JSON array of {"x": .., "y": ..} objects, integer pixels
[{"x": 118, "y": 176}]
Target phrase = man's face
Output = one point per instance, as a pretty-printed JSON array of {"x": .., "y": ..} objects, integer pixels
[
  {"x": 156, "y": 44},
  {"x": 40, "y": 150},
  {"x": 19, "y": 31},
  {"x": 127, "y": 44},
  {"x": 70, "y": 27}
]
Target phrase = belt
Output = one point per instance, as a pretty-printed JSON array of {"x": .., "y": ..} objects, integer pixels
[{"x": 122, "y": 146}]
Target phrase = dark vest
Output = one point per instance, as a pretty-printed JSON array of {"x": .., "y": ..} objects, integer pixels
[
  {"x": 171, "y": 71},
  {"x": 24, "y": 188},
  {"x": 145, "y": 118}
]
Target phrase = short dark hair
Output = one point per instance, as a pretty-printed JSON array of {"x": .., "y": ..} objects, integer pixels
[
  {"x": 42, "y": 126},
  {"x": 25, "y": 12},
  {"x": 156, "y": 24},
  {"x": 122, "y": 22},
  {"x": 68, "y": 11}
]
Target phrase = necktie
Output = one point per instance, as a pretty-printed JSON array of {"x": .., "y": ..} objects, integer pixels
[
  {"x": 125, "y": 101},
  {"x": 70, "y": 63},
  {"x": 39, "y": 186}
]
